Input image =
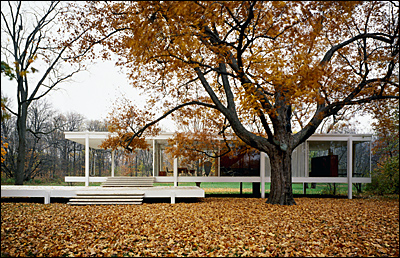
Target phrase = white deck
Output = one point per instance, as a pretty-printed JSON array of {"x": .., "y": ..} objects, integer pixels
[{"x": 71, "y": 191}]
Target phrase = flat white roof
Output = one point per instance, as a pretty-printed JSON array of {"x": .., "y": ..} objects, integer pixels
[{"x": 96, "y": 138}]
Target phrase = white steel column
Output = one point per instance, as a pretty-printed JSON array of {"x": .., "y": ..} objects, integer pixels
[
  {"x": 154, "y": 158},
  {"x": 306, "y": 159},
  {"x": 350, "y": 168},
  {"x": 112, "y": 163},
  {"x": 175, "y": 171},
  {"x": 87, "y": 159},
  {"x": 262, "y": 173},
  {"x": 173, "y": 195},
  {"x": 370, "y": 160}
]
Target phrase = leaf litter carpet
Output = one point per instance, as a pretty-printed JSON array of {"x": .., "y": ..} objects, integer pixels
[{"x": 208, "y": 227}]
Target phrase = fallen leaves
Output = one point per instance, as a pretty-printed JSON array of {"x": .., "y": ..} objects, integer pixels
[{"x": 210, "y": 227}]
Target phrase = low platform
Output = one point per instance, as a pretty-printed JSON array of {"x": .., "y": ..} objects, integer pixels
[
  {"x": 128, "y": 181},
  {"x": 48, "y": 192}
]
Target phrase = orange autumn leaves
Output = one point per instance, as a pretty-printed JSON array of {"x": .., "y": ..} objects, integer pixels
[
  {"x": 124, "y": 121},
  {"x": 208, "y": 227},
  {"x": 297, "y": 53}
]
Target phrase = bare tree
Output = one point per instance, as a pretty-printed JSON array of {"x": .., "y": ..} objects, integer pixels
[
  {"x": 38, "y": 155},
  {"x": 26, "y": 41},
  {"x": 72, "y": 121},
  {"x": 96, "y": 125}
]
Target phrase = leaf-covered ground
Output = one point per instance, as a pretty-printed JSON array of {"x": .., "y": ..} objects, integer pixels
[{"x": 209, "y": 227}]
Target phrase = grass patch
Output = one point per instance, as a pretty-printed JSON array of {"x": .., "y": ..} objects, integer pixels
[
  {"x": 234, "y": 188},
  {"x": 209, "y": 187}
]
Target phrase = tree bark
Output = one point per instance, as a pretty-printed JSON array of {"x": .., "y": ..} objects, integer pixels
[
  {"x": 21, "y": 128},
  {"x": 281, "y": 177}
]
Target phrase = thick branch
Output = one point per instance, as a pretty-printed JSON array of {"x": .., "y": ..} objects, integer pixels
[
  {"x": 140, "y": 132},
  {"x": 379, "y": 36},
  {"x": 211, "y": 93},
  {"x": 227, "y": 87}
]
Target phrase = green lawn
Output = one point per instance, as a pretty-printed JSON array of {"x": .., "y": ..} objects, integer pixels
[
  {"x": 234, "y": 188},
  {"x": 214, "y": 187}
]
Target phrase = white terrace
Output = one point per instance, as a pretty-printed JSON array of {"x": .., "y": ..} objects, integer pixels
[{"x": 323, "y": 158}]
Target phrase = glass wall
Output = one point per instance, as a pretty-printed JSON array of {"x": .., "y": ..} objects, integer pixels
[
  {"x": 240, "y": 163},
  {"x": 361, "y": 159},
  {"x": 298, "y": 159},
  {"x": 164, "y": 162},
  {"x": 138, "y": 163},
  {"x": 327, "y": 158},
  {"x": 194, "y": 164},
  {"x": 200, "y": 165}
]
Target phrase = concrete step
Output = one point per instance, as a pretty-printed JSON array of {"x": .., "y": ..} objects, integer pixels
[
  {"x": 131, "y": 177},
  {"x": 106, "y": 200},
  {"x": 119, "y": 192},
  {"x": 103, "y": 203},
  {"x": 127, "y": 184},
  {"x": 109, "y": 196},
  {"x": 123, "y": 181},
  {"x": 129, "y": 181},
  {"x": 118, "y": 196}
]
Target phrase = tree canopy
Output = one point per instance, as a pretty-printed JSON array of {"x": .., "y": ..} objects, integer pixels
[{"x": 272, "y": 71}]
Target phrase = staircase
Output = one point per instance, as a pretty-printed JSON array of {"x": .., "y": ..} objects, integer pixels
[
  {"x": 118, "y": 195},
  {"x": 107, "y": 197},
  {"x": 126, "y": 181}
]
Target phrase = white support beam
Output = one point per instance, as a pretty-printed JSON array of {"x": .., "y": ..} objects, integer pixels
[
  {"x": 370, "y": 161},
  {"x": 306, "y": 158},
  {"x": 173, "y": 195},
  {"x": 112, "y": 163},
  {"x": 262, "y": 173},
  {"x": 46, "y": 197},
  {"x": 350, "y": 168},
  {"x": 154, "y": 158},
  {"x": 175, "y": 172},
  {"x": 87, "y": 158}
]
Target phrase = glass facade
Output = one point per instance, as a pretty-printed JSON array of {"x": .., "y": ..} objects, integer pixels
[
  {"x": 361, "y": 159},
  {"x": 138, "y": 163},
  {"x": 198, "y": 164},
  {"x": 163, "y": 162},
  {"x": 241, "y": 163},
  {"x": 202, "y": 166},
  {"x": 327, "y": 158}
]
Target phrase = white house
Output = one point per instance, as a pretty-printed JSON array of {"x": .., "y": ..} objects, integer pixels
[{"x": 323, "y": 158}]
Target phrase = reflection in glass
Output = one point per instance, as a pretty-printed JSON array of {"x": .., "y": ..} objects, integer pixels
[
  {"x": 327, "y": 158},
  {"x": 361, "y": 159},
  {"x": 242, "y": 162}
]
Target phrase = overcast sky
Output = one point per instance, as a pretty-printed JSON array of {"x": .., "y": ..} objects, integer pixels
[{"x": 90, "y": 93}]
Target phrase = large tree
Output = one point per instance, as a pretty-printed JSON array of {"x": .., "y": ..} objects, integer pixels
[
  {"x": 28, "y": 33},
  {"x": 273, "y": 70}
]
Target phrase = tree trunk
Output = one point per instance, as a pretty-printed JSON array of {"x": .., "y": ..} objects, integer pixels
[
  {"x": 21, "y": 128},
  {"x": 281, "y": 177}
]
